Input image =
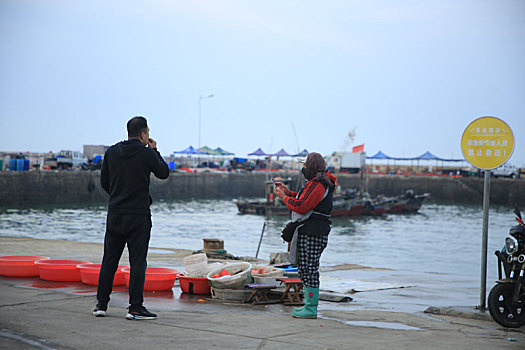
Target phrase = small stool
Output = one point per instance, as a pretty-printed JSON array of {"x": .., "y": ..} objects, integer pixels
[
  {"x": 293, "y": 297},
  {"x": 260, "y": 294}
]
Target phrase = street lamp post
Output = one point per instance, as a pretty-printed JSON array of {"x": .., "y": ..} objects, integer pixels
[{"x": 200, "y": 102}]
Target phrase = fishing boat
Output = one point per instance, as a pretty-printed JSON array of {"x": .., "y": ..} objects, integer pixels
[
  {"x": 347, "y": 207},
  {"x": 343, "y": 205},
  {"x": 273, "y": 206},
  {"x": 415, "y": 201},
  {"x": 346, "y": 203},
  {"x": 262, "y": 208},
  {"x": 408, "y": 202},
  {"x": 373, "y": 208}
]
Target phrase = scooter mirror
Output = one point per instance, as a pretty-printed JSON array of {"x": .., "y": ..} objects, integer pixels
[{"x": 517, "y": 212}]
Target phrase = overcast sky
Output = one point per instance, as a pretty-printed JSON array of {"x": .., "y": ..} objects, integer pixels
[{"x": 408, "y": 76}]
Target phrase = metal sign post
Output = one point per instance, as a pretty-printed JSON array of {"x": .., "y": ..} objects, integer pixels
[
  {"x": 485, "y": 234},
  {"x": 487, "y": 143}
]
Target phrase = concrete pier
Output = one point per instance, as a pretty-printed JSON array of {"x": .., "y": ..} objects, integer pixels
[{"x": 55, "y": 315}]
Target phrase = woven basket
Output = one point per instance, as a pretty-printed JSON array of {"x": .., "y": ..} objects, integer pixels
[
  {"x": 268, "y": 275},
  {"x": 269, "y": 271},
  {"x": 230, "y": 294},
  {"x": 240, "y": 275}
]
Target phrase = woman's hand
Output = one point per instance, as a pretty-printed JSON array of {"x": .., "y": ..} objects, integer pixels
[
  {"x": 278, "y": 190},
  {"x": 283, "y": 188}
]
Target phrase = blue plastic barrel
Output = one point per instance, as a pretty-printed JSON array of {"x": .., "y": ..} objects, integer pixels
[
  {"x": 26, "y": 164},
  {"x": 172, "y": 165},
  {"x": 12, "y": 164},
  {"x": 20, "y": 164}
]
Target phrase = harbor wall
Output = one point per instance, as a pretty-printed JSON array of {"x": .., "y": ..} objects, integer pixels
[
  {"x": 38, "y": 188},
  {"x": 463, "y": 190}
]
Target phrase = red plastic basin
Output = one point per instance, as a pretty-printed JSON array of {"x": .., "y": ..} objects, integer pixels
[
  {"x": 20, "y": 265},
  {"x": 194, "y": 285},
  {"x": 157, "y": 278},
  {"x": 60, "y": 270},
  {"x": 89, "y": 274}
]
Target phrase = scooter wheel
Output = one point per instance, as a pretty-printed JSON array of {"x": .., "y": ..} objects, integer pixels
[{"x": 501, "y": 307}]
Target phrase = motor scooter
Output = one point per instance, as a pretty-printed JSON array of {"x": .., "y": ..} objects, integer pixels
[{"x": 506, "y": 300}]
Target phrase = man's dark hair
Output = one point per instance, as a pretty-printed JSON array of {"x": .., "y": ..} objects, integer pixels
[{"x": 137, "y": 125}]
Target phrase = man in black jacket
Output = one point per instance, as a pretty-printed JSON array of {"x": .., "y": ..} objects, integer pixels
[{"x": 125, "y": 176}]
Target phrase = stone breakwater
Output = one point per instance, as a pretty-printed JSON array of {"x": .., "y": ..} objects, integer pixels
[{"x": 37, "y": 188}]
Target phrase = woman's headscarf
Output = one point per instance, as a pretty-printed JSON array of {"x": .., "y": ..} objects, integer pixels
[{"x": 315, "y": 169}]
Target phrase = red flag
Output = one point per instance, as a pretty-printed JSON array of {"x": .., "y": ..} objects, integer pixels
[{"x": 358, "y": 149}]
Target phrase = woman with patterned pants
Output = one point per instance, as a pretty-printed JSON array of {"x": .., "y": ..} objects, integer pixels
[{"x": 311, "y": 208}]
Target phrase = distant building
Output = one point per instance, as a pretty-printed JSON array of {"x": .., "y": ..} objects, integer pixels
[{"x": 90, "y": 151}]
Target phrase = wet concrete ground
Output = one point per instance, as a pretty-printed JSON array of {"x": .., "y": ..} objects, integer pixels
[
  {"x": 54, "y": 315},
  {"x": 411, "y": 292}
]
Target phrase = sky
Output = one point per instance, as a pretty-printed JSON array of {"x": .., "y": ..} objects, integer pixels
[{"x": 405, "y": 76}]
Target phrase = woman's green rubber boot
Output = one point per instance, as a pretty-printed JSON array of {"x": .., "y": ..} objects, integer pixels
[{"x": 311, "y": 300}]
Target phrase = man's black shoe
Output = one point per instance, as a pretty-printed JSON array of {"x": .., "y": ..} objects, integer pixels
[
  {"x": 140, "y": 313},
  {"x": 100, "y": 310}
]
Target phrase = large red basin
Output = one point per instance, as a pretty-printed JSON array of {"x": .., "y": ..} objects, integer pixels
[
  {"x": 194, "y": 285},
  {"x": 60, "y": 270},
  {"x": 157, "y": 278},
  {"x": 89, "y": 274},
  {"x": 20, "y": 265}
]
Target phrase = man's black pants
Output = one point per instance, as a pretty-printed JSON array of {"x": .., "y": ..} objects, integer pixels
[{"x": 134, "y": 230}]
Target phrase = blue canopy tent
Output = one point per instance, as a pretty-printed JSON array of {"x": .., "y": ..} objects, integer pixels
[
  {"x": 223, "y": 152},
  {"x": 207, "y": 150},
  {"x": 258, "y": 152},
  {"x": 282, "y": 153},
  {"x": 379, "y": 155},
  {"x": 189, "y": 150},
  {"x": 427, "y": 156},
  {"x": 303, "y": 153}
]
